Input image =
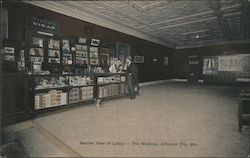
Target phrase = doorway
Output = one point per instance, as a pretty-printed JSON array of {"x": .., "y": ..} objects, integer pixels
[{"x": 193, "y": 68}]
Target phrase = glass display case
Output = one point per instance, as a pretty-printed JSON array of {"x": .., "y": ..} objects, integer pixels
[
  {"x": 111, "y": 85},
  {"x": 57, "y": 90}
]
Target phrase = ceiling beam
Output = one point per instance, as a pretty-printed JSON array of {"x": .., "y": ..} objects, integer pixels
[
  {"x": 140, "y": 7},
  {"x": 187, "y": 23},
  {"x": 195, "y": 32},
  {"x": 183, "y": 17},
  {"x": 216, "y": 6},
  {"x": 232, "y": 14}
]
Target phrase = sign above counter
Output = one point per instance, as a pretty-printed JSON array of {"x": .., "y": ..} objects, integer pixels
[{"x": 43, "y": 24}]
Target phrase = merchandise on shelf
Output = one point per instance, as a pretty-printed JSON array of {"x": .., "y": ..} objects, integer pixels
[
  {"x": 93, "y": 56},
  {"x": 36, "y": 50},
  {"x": 111, "y": 79},
  {"x": 80, "y": 94},
  {"x": 53, "y": 44},
  {"x": 67, "y": 56},
  {"x": 36, "y": 54},
  {"x": 51, "y": 99},
  {"x": 52, "y": 82},
  {"x": 53, "y": 56},
  {"x": 80, "y": 80},
  {"x": 64, "y": 99},
  {"x": 85, "y": 93},
  {"x": 55, "y": 97},
  {"x": 45, "y": 100},
  {"x": 42, "y": 100},
  {"x": 112, "y": 90},
  {"x": 73, "y": 95},
  {"x": 81, "y": 54}
]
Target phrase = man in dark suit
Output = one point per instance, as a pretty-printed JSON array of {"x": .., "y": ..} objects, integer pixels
[{"x": 131, "y": 77}]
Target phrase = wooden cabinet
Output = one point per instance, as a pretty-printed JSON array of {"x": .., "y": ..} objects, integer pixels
[{"x": 15, "y": 96}]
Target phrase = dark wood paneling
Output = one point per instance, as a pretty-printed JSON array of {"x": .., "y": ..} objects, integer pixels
[
  {"x": 15, "y": 97},
  {"x": 69, "y": 27}
]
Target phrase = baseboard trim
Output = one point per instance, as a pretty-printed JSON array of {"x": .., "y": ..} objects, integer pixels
[{"x": 162, "y": 81}]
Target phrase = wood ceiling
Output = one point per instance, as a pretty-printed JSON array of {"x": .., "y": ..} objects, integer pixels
[{"x": 173, "y": 23}]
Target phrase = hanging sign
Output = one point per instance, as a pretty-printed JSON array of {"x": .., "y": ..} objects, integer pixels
[{"x": 43, "y": 24}]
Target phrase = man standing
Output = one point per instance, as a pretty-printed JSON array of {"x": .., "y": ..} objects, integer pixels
[{"x": 131, "y": 77}]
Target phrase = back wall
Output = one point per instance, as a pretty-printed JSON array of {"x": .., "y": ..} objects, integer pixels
[
  {"x": 148, "y": 71},
  {"x": 182, "y": 54}
]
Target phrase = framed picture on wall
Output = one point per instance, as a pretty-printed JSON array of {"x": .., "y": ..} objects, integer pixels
[
  {"x": 104, "y": 56},
  {"x": 122, "y": 51},
  {"x": 138, "y": 59}
]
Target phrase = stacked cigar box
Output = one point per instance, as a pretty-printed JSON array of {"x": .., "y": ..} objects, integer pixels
[
  {"x": 73, "y": 95},
  {"x": 45, "y": 100},
  {"x": 103, "y": 91},
  {"x": 109, "y": 90},
  {"x": 42, "y": 100},
  {"x": 38, "y": 102},
  {"x": 55, "y": 97},
  {"x": 85, "y": 93},
  {"x": 63, "y": 98},
  {"x": 113, "y": 90},
  {"x": 51, "y": 99}
]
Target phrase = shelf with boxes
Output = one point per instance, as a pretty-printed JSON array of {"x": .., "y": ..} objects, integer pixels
[
  {"x": 81, "y": 88},
  {"x": 110, "y": 86},
  {"x": 49, "y": 91},
  {"x": 57, "y": 90}
]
